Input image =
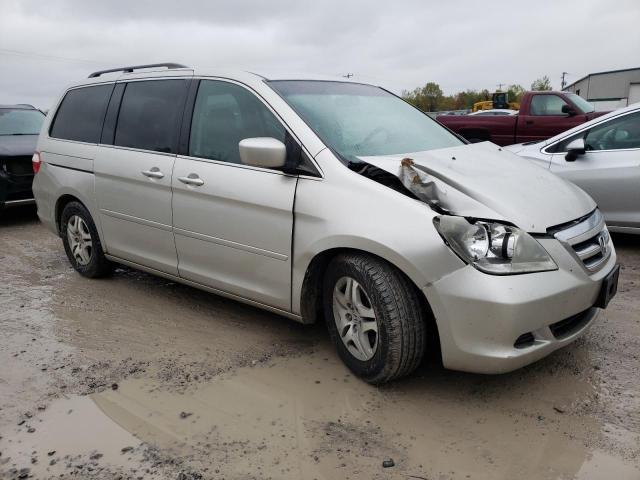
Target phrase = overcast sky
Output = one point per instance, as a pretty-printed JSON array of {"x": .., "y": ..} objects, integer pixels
[{"x": 47, "y": 44}]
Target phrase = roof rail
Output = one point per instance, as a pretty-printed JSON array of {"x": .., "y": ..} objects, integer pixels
[
  {"x": 25, "y": 105},
  {"x": 136, "y": 67}
]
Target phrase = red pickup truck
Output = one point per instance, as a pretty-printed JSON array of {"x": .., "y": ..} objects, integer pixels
[{"x": 542, "y": 115}]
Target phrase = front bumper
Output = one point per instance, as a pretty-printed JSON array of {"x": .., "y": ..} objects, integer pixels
[{"x": 496, "y": 324}]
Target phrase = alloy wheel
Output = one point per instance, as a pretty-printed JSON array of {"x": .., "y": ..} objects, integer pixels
[
  {"x": 355, "y": 319},
  {"x": 80, "y": 242}
]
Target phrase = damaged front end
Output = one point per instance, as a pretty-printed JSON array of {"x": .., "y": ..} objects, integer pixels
[
  {"x": 415, "y": 181},
  {"x": 409, "y": 181},
  {"x": 479, "y": 235},
  {"x": 483, "y": 181},
  {"x": 421, "y": 185},
  {"x": 494, "y": 247}
]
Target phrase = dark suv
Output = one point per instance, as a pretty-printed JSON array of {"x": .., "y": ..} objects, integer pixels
[{"x": 19, "y": 129}]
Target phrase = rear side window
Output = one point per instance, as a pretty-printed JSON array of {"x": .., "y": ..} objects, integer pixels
[
  {"x": 81, "y": 114},
  {"x": 149, "y": 115}
]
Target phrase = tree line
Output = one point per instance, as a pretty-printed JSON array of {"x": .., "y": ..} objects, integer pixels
[{"x": 430, "y": 97}]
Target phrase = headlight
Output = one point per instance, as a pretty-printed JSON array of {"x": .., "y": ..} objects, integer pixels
[{"x": 493, "y": 247}]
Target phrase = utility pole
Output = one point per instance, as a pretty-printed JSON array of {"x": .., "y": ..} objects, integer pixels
[
  {"x": 500, "y": 86},
  {"x": 348, "y": 75},
  {"x": 563, "y": 84}
]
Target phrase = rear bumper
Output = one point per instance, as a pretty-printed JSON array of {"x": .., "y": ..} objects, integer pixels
[
  {"x": 15, "y": 190},
  {"x": 496, "y": 324},
  {"x": 18, "y": 203}
]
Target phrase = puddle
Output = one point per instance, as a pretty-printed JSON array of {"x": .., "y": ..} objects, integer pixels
[
  {"x": 64, "y": 439},
  {"x": 307, "y": 417}
]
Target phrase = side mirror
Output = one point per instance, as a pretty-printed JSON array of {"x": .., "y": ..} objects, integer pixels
[
  {"x": 569, "y": 110},
  {"x": 575, "y": 149},
  {"x": 265, "y": 152}
]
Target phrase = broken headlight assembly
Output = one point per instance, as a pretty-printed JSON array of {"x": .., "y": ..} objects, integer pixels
[{"x": 494, "y": 247}]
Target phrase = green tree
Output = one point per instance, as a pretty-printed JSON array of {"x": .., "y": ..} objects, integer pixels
[
  {"x": 433, "y": 95},
  {"x": 415, "y": 98},
  {"x": 515, "y": 92},
  {"x": 427, "y": 98},
  {"x": 541, "y": 84}
]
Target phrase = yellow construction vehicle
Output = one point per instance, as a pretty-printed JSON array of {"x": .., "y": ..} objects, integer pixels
[{"x": 498, "y": 100}]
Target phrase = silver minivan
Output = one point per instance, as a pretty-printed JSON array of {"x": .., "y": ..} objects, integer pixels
[{"x": 325, "y": 199}]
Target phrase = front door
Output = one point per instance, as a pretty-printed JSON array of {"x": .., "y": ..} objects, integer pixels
[
  {"x": 609, "y": 170},
  {"x": 232, "y": 222},
  {"x": 133, "y": 176},
  {"x": 545, "y": 118}
]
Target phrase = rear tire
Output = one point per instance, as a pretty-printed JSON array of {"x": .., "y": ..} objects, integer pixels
[
  {"x": 397, "y": 345},
  {"x": 82, "y": 243}
]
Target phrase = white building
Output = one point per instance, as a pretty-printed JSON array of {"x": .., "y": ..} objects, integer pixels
[{"x": 609, "y": 90}]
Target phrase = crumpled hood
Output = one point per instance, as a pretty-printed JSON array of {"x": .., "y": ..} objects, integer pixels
[{"x": 484, "y": 181}]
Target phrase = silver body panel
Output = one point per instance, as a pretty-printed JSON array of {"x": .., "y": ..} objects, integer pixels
[
  {"x": 610, "y": 177},
  {"x": 251, "y": 233},
  {"x": 135, "y": 210},
  {"x": 233, "y": 232}
]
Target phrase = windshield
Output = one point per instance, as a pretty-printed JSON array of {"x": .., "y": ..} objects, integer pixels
[
  {"x": 357, "y": 120},
  {"x": 581, "y": 103},
  {"x": 15, "y": 121}
]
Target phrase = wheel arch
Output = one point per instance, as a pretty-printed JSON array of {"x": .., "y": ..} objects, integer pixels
[
  {"x": 311, "y": 309},
  {"x": 62, "y": 202},
  {"x": 67, "y": 197}
]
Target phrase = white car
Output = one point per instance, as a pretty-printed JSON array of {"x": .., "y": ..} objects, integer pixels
[
  {"x": 495, "y": 111},
  {"x": 603, "y": 158}
]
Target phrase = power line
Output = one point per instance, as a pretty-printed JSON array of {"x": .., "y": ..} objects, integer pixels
[{"x": 54, "y": 58}]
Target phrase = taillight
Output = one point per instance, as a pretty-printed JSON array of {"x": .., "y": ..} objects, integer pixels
[{"x": 36, "y": 162}]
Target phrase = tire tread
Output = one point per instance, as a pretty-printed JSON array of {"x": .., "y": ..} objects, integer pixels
[{"x": 401, "y": 310}]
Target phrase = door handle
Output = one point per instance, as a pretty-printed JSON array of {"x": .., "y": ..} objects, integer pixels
[
  {"x": 153, "y": 173},
  {"x": 192, "y": 179}
]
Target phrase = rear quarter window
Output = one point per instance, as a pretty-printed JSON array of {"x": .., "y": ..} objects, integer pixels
[{"x": 81, "y": 114}]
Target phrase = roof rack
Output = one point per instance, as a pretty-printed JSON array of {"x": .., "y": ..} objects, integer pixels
[{"x": 136, "y": 67}]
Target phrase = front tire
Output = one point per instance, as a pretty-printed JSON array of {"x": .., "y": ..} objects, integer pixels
[
  {"x": 82, "y": 243},
  {"x": 374, "y": 317}
]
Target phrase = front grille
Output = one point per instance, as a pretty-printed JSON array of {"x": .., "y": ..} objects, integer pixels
[
  {"x": 566, "y": 327},
  {"x": 17, "y": 165},
  {"x": 593, "y": 251},
  {"x": 588, "y": 240}
]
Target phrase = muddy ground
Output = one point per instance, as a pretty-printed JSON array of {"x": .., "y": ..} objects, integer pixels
[{"x": 137, "y": 377}]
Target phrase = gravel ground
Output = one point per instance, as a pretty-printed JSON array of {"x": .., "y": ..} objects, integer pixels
[{"x": 137, "y": 377}]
